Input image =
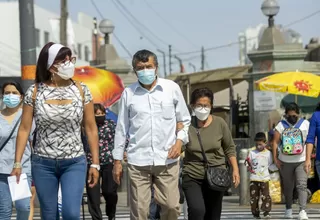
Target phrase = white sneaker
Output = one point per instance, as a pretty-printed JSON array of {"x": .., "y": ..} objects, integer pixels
[
  {"x": 288, "y": 214},
  {"x": 303, "y": 215}
]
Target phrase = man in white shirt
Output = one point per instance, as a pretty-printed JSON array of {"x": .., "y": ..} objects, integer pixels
[{"x": 149, "y": 111}]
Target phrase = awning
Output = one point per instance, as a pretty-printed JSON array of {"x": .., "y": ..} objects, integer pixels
[{"x": 217, "y": 79}]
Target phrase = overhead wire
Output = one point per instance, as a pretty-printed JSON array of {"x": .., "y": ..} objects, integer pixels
[
  {"x": 115, "y": 36},
  {"x": 128, "y": 12},
  {"x": 169, "y": 24},
  {"x": 133, "y": 24},
  {"x": 303, "y": 18},
  {"x": 253, "y": 38}
]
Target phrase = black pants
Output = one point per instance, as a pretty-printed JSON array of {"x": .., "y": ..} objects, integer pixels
[
  {"x": 109, "y": 192},
  {"x": 203, "y": 202}
]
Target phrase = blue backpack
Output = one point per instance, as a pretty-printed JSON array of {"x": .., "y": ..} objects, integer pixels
[{"x": 292, "y": 138}]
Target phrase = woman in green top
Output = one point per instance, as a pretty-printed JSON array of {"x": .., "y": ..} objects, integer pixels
[{"x": 203, "y": 202}]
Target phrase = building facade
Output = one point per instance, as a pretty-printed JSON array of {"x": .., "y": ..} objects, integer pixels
[{"x": 80, "y": 36}]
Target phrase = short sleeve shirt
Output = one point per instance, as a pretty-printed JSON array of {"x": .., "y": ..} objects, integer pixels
[
  {"x": 294, "y": 158},
  {"x": 58, "y": 126},
  {"x": 7, "y": 154},
  {"x": 260, "y": 163}
]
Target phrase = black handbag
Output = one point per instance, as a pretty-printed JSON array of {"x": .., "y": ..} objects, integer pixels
[{"x": 219, "y": 179}]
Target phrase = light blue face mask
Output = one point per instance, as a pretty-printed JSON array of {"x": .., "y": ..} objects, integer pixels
[
  {"x": 11, "y": 100},
  {"x": 146, "y": 76}
]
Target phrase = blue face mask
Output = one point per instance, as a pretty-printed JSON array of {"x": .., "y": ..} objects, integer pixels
[
  {"x": 146, "y": 76},
  {"x": 11, "y": 100}
]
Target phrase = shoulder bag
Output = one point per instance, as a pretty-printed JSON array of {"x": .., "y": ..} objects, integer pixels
[
  {"x": 10, "y": 135},
  {"x": 218, "y": 179}
]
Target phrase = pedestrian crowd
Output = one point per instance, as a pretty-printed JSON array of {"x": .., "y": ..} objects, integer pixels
[{"x": 176, "y": 154}]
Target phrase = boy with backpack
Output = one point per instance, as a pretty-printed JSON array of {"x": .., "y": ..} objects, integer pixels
[
  {"x": 258, "y": 163},
  {"x": 291, "y": 134}
]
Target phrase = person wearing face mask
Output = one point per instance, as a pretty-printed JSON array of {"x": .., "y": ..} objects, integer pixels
[
  {"x": 290, "y": 156},
  {"x": 10, "y": 118},
  {"x": 258, "y": 162},
  {"x": 148, "y": 113},
  {"x": 106, "y": 130},
  {"x": 209, "y": 135},
  {"x": 59, "y": 107}
]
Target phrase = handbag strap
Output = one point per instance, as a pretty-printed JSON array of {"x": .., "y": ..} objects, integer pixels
[
  {"x": 10, "y": 135},
  {"x": 205, "y": 159},
  {"x": 203, "y": 153}
]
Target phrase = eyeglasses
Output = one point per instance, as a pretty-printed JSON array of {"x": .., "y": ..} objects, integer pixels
[
  {"x": 68, "y": 61},
  {"x": 200, "y": 107}
]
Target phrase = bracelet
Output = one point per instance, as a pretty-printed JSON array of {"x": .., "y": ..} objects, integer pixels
[{"x": 17, "y": 165}]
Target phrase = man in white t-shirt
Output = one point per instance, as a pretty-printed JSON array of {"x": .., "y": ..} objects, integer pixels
[{"x": 291, "y": 134}]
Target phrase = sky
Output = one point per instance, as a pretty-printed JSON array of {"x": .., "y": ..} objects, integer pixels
[{"x": 189, "y": 24}]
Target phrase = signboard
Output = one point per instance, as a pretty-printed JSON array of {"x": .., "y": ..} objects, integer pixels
[{"x": 264, "y": 101}]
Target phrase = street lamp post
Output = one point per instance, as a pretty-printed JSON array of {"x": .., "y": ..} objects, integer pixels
[
  {"x": 95, "y": 32},
  {"x": 270, "y": 8},
  {"x": 106, "y": 27}
]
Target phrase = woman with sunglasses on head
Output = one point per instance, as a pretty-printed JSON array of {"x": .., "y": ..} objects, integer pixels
[
  {"x": 12, "y": 96},
  {"x": 59, "y": 106}
]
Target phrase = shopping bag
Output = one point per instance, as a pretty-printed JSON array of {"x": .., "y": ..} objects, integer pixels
[
  {"x": 275, "y": 187},
  {"x": 315, "y": 199}
]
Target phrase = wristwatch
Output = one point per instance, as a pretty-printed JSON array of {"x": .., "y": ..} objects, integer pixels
[{"x": 97, "y": 166}]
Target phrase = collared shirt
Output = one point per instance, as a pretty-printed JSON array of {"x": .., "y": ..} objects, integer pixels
[
  {"x": 7, "y": 154},
  {"x": 149, "y": 119}
]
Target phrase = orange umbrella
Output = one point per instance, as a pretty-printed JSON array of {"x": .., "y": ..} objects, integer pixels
[{"x": 105, "y": 86}]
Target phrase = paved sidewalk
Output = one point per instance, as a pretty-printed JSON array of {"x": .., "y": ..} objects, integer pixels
[{"x": 229, "y": 202}]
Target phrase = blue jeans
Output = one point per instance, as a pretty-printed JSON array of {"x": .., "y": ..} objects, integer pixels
[
  {"x": 22, "y": 206},
  {"x": 71, "y": 173}
]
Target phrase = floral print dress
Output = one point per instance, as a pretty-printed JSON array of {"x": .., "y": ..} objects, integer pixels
[{"x": 106, "y": 142}]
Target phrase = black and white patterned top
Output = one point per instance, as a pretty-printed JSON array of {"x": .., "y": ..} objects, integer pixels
[{"x": 58, "y": 126}]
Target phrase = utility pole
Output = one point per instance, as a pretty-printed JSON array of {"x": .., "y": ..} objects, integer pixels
[
  {"x": 95, "y": 32},
  {"x": 63, "y": 22},
  {"x": 180, "y": 63},
  {"x": 193, "y": 66},
  {"x": 202, "y": 58},
  {"x": 164, "y": 62},
  {"x": 170, "y": 62},
  {"x": 27, "y": 42}
]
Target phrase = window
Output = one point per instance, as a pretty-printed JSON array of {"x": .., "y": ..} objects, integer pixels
[
  {"x": 37, "y": 37},
  {"x": 46, "y": 37},
  {"x": 86, "y": 53},
  {"x": 79, "y": 51}
]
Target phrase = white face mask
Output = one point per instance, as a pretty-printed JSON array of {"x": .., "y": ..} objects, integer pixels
[
  {"x": 66, "y": 70},
  {"x": 202, "y": 113}
]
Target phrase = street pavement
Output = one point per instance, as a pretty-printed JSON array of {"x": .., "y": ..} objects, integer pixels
[
  {"x": 239, "y": 213},
  {"x": 231, "y": 210}
]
